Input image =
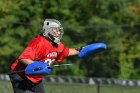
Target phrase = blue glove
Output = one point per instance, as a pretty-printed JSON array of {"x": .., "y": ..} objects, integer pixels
[
  {"x": 38, "y": 68},
  {"x": 92, "y": 49}
]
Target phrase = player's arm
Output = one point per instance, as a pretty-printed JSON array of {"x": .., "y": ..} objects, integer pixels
[
  {"x": 31, "y": 52},
  {"x": 88, "y": 50},
  {"x": 74, "y": 51},
  {"x": 26, "y": 61}
]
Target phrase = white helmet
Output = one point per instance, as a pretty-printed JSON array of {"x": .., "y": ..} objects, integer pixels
[{"x": 49, "y": 25}]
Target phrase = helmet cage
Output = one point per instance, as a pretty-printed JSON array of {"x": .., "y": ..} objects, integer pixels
[{"x": 49, "y": 25}]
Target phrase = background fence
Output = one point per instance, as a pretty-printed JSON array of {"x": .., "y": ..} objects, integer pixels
[{"x": 55, "y": 84}]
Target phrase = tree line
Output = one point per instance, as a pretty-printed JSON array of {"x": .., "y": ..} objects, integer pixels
[{"x": 113, "y": 22}]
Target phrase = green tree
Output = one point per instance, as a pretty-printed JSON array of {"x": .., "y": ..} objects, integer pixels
[{"x": 85, "y": 22}]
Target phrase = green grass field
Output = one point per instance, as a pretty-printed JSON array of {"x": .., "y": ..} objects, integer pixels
[{"x": 5, "y": 87}]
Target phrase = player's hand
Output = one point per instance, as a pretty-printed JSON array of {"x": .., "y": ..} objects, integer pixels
[
  {"x": 90, "y": 50},
  {"x": 79, "y": 48},
  {"x": 38, "y": 68}
]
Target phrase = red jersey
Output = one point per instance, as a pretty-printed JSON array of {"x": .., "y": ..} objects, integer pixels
[{"x": 40, "y": 49}]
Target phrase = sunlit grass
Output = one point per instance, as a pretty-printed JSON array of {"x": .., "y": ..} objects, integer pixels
[{"x": 6, "y": 87}]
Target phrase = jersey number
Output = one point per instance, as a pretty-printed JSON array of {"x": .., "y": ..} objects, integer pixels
[{"x": 49, "y": 61}]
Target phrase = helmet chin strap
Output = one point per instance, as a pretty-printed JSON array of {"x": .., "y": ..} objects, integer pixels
[{"x": 52, "y": 39}]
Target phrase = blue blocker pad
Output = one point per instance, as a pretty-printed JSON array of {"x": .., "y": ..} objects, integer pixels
[
  {"x": 92, "y": 49},
  {"x": 38, "y": 68}
]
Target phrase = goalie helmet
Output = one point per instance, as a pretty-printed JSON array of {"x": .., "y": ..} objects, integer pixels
[{"x": 48, "y": 30}]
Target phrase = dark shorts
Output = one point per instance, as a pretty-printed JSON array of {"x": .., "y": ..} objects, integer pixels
[{"x": 23, "y": 85}]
